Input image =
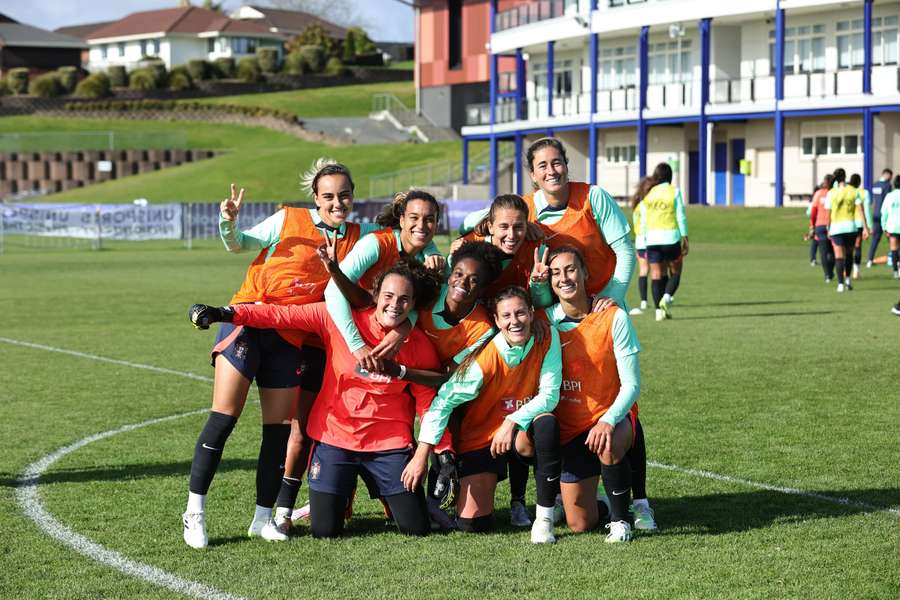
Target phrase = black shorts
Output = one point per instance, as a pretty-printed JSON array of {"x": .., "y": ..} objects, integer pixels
[
  {"x": 667, "y": 253},
  {"x": 480, "y": 461},
  {"x": 334, "y": 470},
  {"x": 578, "y": 462},
  {"x": 312, "y": 368},
  {"x": 821, "y": 233},
  {"x": 843, "y": 239},
  {"x": 642, "y": 253},
  {"x": 895, "y": 236},
  {"x": 259, "y": 354}
]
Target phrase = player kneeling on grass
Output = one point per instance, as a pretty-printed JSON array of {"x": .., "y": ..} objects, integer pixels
[
  {"x": 596, "y": 411},
  {"x": 361, "y": 422},
  {"x": 510, "y": 382}
]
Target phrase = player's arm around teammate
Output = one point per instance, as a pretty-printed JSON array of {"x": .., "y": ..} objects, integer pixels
[
  {"x": 601, "y": 382},
  {"x": 511, "y": 384}
]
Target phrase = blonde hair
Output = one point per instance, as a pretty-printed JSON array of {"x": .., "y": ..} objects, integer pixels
[{"x": 309, "y": 179}]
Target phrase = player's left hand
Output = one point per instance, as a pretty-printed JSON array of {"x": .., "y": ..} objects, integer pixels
[
  {"x": 601, "y": 303},
  {"x": 435, "y": 262},
  {"x": 599, "y": 439},
  {"x": 393, "y": 341},
  {"x": 202, "y": 316},
  {"x": 502, "y": 442}
]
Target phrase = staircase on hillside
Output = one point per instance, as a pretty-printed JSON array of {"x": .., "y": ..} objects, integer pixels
[{"x": 387, "y": 107}]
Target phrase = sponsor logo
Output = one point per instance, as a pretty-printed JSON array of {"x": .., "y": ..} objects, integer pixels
[
  {"x": 511, "y": 405},
  {"x": 619, "y": 493},
  {"x": 211, "y": 448},
  {"x": 571, "y": 385},
  {"x": 552, "y": 479},
  {"x": 376, "y": 377},
  {"x": 315, "y": 470}
]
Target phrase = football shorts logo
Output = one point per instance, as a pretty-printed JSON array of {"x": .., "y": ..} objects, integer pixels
[
  {"x": 240, "y": 350},
  {"x": 315, "y": 470}
]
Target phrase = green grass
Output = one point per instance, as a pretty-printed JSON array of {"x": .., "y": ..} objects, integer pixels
[
  {"x": 764, "y": 373},
  {"x": 402, "y": 65},
  {"x": 340, "y": 101},
  {"x": 265, "y": 162}
]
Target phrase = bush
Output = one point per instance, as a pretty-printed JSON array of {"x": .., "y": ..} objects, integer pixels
[
  {"x": 46, "y": 86},
  {"x": 93, "y": 86},
  {"x": 248, "y": 69},
  {"x": 172, "y": 105},
  {"x": 313, "y": 58},
  {"x": 4, "y": 88},
  {"x": 158, "y": 69},
  {"x": 142, "y": 79},
  {"x": 294, "y": 63},
  {"x": 355, "y": 43},
  {"x": 68, "y": 78},
  {"x": 180, "y": 79},
  {"x": 117, "y": 76},
  {"x": 17, "y": 80},
  {"x": 267, "y": 59},
  {"x": 198, "y": 69},
  {"x": 335, "y": 67},
  {"x": 314, "y": 35},
  {"x": 225, "y": 67}
]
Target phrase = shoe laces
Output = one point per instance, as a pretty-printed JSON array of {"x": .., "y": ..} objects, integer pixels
[{"x": 192, "y": 520}]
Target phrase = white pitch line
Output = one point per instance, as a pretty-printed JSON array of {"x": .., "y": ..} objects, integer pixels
[
  {"x": 114, "y": 361},
  {"x": 776, "y": 488}
]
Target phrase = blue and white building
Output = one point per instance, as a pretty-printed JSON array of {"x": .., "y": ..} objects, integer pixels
[{"x": 751, "y": 101}]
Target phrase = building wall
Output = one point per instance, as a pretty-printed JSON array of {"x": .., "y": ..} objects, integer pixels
[{"x": 38, "y": 59}]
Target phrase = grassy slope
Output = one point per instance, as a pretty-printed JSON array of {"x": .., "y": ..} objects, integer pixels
[
  {"x": 343, "y": 101},
  {"x": 760, "y": 375},
  {"x": 265, "y": 162}
]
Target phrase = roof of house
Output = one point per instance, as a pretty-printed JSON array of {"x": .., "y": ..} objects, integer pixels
[
  {"x": 82, "y": 31},
  {"x": 296, "y": 21},
  {"x": 13, "y": 33},
  {"x": 184, "y": 20}
]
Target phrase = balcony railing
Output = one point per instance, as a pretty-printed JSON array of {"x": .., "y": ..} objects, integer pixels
[
  {"x": 533, "y": 12},
  {"x": 480, "y": 114},
  {"x": 672, "y": 95},
  {"x": 563, "y": 106},
  {"x": 885, "y": 81},
  {"x": 620, "y": 99}
]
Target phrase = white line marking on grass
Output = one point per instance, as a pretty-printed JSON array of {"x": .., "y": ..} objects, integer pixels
[
  {"x": 114, "y": 361},
  {"x": 30, "y": 502},
  {"x": 776, "y": 488}
]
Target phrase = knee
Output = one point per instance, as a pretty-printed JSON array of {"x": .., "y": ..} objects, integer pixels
[
  {"x": 580, "y": 525},
  {"x": 321, "y": 530},
  {"x": 545, "y": 430},
  {"x": 419, "y": 528},
  {"x": 612, "y": 458}
]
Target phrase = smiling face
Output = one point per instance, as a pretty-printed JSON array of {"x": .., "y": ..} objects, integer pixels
[
  {"x": 466, "y": 281},
  {"x": 507, "y": 229},
  {"x": 395, "y": 299},
  {"x": 513, "y": 317},
  {"x": 418, "y": 224},
  {"x": 567, "y": 276},
  {"x": 549, "y": 171},
  {"x": 334, "y": 199}
]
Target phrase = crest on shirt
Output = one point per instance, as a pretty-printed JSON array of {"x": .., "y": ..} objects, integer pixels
[
  {"x": 371, "y": 376},
  {"x": 240, "y": 350},
  {"x": 314, "y": 470}
]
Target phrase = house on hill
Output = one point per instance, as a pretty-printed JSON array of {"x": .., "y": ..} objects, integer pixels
[
  {"x": 176, "y": 36},
  {"x": 24, "y": 46},
  {"x": 289, "y": 23}
]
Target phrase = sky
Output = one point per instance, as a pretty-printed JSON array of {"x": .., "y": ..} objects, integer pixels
[{"x": 385, "y": 20}]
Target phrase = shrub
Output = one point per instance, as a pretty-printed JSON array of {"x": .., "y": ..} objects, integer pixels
[
  {"x": 158, "y": 69},
  {"x": 355, "y": 43},
  {"x": 46, "y": 86},
  {"x": 225, "y": 67},
  {"x": 314, "y": 35},
  {"x": 294, "y": 63},
  {"x": 198, "y": 69},
  {"x": 93, "y": 86},
  {"x": 267, "y": 59},
  {"x": 248, "y": 69},
  {"x": 142, "y": 79},
  {"x": 335, "y": 67},
  {"x": 117, "y": 76},
  {"x": 68, "y": 78},
  {"x": 17, "y": 80},
  {"x": 180, "y": 79},
  {"x": 4, "y": 88},
  {"x": 313, "y": 58}
]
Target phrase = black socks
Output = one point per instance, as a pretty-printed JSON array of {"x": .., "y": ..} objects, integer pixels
[
  {"x": 547, "y": 460},
  {"x": 270, "y": 466},
  {"x": 642, "y": 287},
  {"x": 617, "y": 483},
  {"x": 208, "y": 451}
]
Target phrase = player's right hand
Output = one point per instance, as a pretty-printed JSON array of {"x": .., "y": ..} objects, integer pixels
[
  {"x": 230, "y": 207},
  {"x": 202, "y": 315}
]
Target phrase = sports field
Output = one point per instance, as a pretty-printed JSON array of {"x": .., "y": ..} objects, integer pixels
[{"x": 770, "y": 405}]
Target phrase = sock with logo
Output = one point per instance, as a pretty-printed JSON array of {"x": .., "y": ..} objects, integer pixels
[
  {"x": 287, "y": 495},
  {"x": 270, "y": 465},
  {"x": 208, "y": 451},
  {"x": 617, "y": 482},
  {"x": 547, "y": 461}
]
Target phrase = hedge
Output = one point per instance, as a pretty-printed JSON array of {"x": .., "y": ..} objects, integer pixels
[
  {"x": 17, "y": 80},
  {"x": 46, "y": 86},
  {"x": 68, "y": 78},
  {"x": 248, "y": 69},
  {"x": 142, "y": 79},
  {"x": 117, "y": 76},
  {"x": 172, "y": 105},
  {"x": 93, "y": 86},
  {"x": 225, "y": 67}
]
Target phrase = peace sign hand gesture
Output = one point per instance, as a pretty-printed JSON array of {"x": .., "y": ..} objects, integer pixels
[
  {"x": 230, "y": 207},
  {"x": 328, "y": 252},
  {"x": 540, "y": 273}
]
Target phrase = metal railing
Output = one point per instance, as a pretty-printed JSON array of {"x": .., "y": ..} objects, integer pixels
[
  {"x": 439, "y": 173},
  {"x": 533, "y": 12}
]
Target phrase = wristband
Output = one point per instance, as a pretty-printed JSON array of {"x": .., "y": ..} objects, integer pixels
[{"x": 402, "y": 372}]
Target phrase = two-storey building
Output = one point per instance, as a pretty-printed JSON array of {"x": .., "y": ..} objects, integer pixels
[{"x": 751, "y": 101}]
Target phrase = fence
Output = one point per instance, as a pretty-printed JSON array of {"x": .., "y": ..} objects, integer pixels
[
  {"x": 89, "y": 225},
  {"x": 71, "y": 141}
]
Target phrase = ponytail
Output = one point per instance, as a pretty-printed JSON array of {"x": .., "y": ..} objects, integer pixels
[{"x": 390, "y": 215}]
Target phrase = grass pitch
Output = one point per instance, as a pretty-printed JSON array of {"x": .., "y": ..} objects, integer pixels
[{"x": 764, "y": 374}]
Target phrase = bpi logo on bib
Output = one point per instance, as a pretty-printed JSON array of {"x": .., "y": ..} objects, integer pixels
[
  {"x": 511, "y": 405},
  {"x": 573, "y": 386}
]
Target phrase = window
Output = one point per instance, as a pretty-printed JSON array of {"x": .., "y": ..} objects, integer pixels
[
  {"x": 149, "y": 47},
  {"x": 884, "y": 40},
  {"x": 621, "y": 154},
  {"x": 670, "y": 62},
  {"x": 821, "y": 145},
  {"x": 104, "y": 50},
  {"x": 210, "y": 45},
  {"x": 454, "y": 39},
  {"x": 618, "y": 67},
  {"x": 851, "y": 50},
  {"x": 121, "y": 48},
  {"x": 804, "y": 49},
  {"x": 562, "y": 79}
]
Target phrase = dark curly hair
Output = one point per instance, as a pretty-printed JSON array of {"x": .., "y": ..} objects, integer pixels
[
  {"x": 486, "y": 254},
  {"x": 426, "y": 284},
  {"x": 390, "y": 216}
]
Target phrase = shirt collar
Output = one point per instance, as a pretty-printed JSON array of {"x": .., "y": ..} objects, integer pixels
[{"x": 512, "y": 355}]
